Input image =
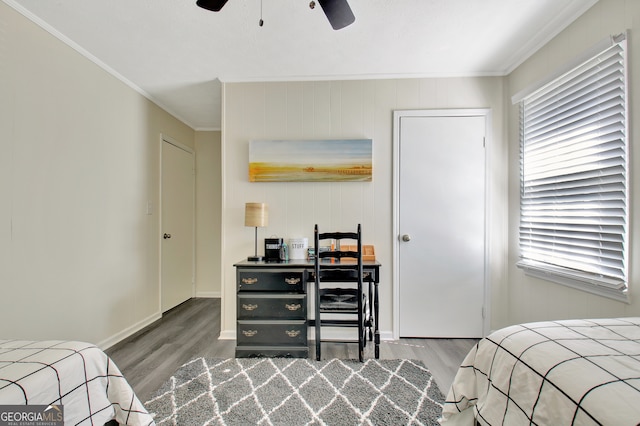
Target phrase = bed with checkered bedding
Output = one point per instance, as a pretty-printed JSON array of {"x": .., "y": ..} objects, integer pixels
[
  {"x": 77, "y": 375},
  {"x": 573, "y": 372}
]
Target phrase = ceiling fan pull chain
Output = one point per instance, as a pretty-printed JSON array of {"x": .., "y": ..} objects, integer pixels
[{"x": 261, "y": 22}]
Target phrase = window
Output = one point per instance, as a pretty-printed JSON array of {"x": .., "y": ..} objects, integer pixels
[{"x": 574, "y": 176}]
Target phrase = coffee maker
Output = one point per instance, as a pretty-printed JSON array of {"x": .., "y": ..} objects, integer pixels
[{"x": 272, "y": 248}]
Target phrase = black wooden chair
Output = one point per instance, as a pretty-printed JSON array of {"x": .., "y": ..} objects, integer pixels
[{"x": 340, "y": 300}]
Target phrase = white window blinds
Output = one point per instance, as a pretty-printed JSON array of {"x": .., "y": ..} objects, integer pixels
[{"x": 574, "y": 176}]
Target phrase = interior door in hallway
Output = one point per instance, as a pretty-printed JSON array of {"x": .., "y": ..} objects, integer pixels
[
  {"x": 177, "y": 224},
  {"x": 441, "y": 223}
]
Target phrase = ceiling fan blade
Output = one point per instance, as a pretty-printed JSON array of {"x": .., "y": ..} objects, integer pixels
[
  {"x": 213, "y": 5},
  {"x": 338, "y": 13}
]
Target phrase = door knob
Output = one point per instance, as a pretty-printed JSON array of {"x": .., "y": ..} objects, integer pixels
[
  {"x": 166, "y": 236},
  {"x": 406, "y": 237}
]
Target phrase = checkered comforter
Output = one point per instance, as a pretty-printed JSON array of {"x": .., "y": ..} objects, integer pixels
[
  {"x": 574, "y": 372},
  {"x": 77, "y": 375}
]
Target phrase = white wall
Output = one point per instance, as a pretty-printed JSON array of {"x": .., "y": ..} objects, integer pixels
[
  {"x": 208, "y": 212},
  {"x": 532, "y": 299},
  {"x": 79, "y": 161},
  {"x": 344, "y": 109}
]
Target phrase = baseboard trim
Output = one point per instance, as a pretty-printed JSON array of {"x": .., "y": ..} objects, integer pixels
[
  {"x": 209, "y": 294},
  {"x": 339, "y": 334},
  {"x": 118, "y": 337},
  {"x": 329, "y": 334},
  {"x": 386, "y": 335},
  {"x": 227, "y": 335}
]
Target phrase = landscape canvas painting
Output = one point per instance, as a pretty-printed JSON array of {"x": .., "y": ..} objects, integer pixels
[{"x": 341, "y": 160}]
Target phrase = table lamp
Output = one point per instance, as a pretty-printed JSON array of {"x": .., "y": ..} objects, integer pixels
[{"x": 256, "y": 215}]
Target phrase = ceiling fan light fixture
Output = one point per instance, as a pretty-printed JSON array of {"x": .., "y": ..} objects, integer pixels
[
  {"x": 212, "y": 5},
  {"x": 338, "y": 13}
]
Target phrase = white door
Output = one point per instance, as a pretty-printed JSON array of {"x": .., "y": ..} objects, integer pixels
[
  {"x": 441, "y": 224},
  {"x": 177, "y": 224}
]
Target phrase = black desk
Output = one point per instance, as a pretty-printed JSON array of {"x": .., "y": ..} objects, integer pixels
[{"x": 272, "y": 315}]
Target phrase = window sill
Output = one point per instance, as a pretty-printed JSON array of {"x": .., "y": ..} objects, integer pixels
[{"x": 615, "y": 290}]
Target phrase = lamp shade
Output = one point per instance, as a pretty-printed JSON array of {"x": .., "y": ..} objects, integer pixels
[{"x": 256, "y": 214}]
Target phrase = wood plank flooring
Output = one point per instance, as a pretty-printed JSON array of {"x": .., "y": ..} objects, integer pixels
[{"x": 148, "y": 358}]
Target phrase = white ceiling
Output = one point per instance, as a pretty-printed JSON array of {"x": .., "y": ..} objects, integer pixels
[{"x": 177, "y": 54}]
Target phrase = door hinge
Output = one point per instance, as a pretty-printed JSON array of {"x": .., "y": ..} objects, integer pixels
[
  {"x": 484, "y": 142},
  {"x": 483, "y": 313}
]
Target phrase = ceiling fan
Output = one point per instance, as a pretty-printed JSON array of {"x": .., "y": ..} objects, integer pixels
[{"x": 338, "y": 12}]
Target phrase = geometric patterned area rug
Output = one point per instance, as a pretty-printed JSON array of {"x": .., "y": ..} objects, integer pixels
[{"x": 285, "y": 391}]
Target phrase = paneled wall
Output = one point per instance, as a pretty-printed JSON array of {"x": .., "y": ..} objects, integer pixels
[
  {"x": 344, "y": 109},
  {"x": 79, "y": 166},
  {"x": 208, "y": 212}
]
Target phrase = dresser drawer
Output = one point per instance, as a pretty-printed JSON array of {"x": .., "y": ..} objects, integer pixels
[
  {"x": 273, "y": 333},
  {"x": 254, "y": 279},
  {"x": 272, "y": 306}
]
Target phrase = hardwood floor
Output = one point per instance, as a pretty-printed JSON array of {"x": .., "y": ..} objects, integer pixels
[{"x": 148, "y": 358}]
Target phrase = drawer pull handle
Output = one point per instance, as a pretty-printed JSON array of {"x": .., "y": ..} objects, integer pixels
[
  {"x": 249, "y": 307},
  {"x": 293, "y": 307},
  {"x": 249, "y": 280},
  {"x": 292, "y": 333},
  {"x": 249, "y": 333},
  {"x": 292, "y": 281}
]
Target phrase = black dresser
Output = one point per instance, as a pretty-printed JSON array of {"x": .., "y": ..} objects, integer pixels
[{"x": 271, "y": 307}]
